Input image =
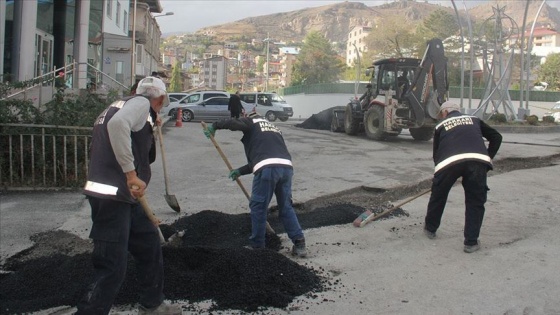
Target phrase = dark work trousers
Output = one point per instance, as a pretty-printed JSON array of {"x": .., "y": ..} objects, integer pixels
[
  {"x": 474, "y": 184},
  {"x": 235, "y": 114},
  {"x": 119, "y": 228}
]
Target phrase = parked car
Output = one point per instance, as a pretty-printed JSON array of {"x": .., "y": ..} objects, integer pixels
[
  {"x": 194, "y": 97},
  {"x": 212, "y": 109},
  {"x": 269, "y": 105},
  {"x": 554, "y": 112},
  {"x": 175, "y": 96}
]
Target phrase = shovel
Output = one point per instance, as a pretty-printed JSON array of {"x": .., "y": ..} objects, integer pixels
[
  {"x": 269, "y": 229},
  {"x": 171, "y": 200},
  {"x": 150, "y": 214},
  {"x": 369, "y": 216}
]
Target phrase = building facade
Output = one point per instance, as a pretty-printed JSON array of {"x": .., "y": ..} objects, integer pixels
[
  {"x": 39, "y": 36},
  {"x": 356, "y": 40},
  {"x": 213, "y": 72}
]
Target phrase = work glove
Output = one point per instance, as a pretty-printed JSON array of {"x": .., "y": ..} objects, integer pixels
[
  {"x": 209, "y": 131},
  {"x": 234, "y": 174}
]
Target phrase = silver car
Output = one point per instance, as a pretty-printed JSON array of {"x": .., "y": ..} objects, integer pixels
[{"x": 212, "y": 109}]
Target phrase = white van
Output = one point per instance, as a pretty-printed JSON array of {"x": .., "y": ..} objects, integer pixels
[{"x": 269, "y": 105}]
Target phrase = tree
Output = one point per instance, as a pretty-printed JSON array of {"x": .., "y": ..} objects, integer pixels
[
  {"x": 316, "y": 62},
  {"x": 176, "y": 83},
  {"x": 392, "y": 38},
  {"x": 549, "y": 72},
  {"x": 439, "y": 24}
]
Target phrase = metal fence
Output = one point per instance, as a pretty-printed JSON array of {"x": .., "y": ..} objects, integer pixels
[
  {"x": 454, "y": 91},
  {"x": 43, "y": 156}
]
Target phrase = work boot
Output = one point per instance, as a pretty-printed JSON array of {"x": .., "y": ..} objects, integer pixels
[
  {"x": 162, "y": 309},
  {"x": 299, "y": 249},
  {"x": 471, "y": 248},
  {"x": 429, "y": 234}
]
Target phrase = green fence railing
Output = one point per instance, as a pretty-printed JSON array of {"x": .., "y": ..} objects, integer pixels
[{"x": 454, "y": 91}]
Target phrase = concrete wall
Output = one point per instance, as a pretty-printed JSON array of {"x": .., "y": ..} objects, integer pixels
[{"x": 305, "y": 105}]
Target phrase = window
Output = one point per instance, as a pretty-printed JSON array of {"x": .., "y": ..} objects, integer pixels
[
  {"x": 125, "y": 22},
  {"x": 109, "y": 8},
  {"x": 139, "y": 53},
  {"x": 118, "y": 19},
  {"x": 119, "y": 74},
  {"x": 192, "y": 98}
]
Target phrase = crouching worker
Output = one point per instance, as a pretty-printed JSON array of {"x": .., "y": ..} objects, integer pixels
[
  {"x": 270, "y": 162},
  {"x": 119, "y": 172}
]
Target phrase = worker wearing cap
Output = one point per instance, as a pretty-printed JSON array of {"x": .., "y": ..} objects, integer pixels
[
  {"x": 459, "y": 151},
  {"x": 271, "y": 164},
  {"x": 119, "y": 172}
]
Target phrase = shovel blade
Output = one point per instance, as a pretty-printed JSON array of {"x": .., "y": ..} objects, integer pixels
[{"x": 172, "y": 202}]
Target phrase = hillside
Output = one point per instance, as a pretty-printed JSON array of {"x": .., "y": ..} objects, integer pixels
[{"x": 335, "y": 20}]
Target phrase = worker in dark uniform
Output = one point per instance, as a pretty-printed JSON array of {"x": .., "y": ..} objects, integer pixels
[
  {"x": 119, "y": 172},
  {"x": 366, "y": 97},
  {"x": 402, "y": 84},
  {"x": 270, "y": 162},
  {"x": 234, "y": 105},
  {"x": 460, "y": 151}
]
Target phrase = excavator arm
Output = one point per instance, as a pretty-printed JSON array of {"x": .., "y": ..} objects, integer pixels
[{"x": 429, "y": 88}]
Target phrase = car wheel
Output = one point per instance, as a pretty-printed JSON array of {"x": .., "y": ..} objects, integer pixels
[
  {"x": 187, "y": 115},
  {"x": 283, "y": 118},
  {"x": 173, "y": 113},
  {"x": 270, "y": 116}
]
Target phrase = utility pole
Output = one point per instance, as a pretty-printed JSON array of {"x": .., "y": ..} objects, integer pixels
[
  {"x": 267, "y": 65},
  {"x": 133, "y": 63}
]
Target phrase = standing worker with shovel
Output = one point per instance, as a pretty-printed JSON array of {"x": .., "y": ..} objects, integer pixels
[
  {"x": 270, "y": 162},
  {"x": 119, "y": 172},
  {"x": 460, "y": 151}
]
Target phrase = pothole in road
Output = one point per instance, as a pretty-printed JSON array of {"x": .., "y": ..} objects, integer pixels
[{"x": 210, "y": 262}]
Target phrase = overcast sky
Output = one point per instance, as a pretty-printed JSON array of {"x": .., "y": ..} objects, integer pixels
[{"x": 190, "y": 15}]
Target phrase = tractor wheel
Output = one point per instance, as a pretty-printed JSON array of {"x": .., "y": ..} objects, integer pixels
[
  {"x": 374, "y": 123},
  {"x": 351, "y": 125},
  {"x": 422, "y": 133}
]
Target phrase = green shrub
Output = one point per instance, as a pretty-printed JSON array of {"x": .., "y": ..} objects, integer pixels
[
  {"x": 548, "y": 119},
  {"x": 498, "y": 118},
  {"x": 533, "y": 120}
]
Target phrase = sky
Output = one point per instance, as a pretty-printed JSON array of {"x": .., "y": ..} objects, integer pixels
[{"x": 192, "y": 15}]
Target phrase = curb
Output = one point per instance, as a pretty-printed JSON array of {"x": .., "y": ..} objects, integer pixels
[{"x": 526, "y": 129}]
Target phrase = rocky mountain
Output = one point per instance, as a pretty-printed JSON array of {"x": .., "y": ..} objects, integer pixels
[{"x": 334, "y": 21}]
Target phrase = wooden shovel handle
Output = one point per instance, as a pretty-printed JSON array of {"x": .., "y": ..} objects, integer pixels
[
  {"x": 239, "y": 183},
  {"x": 160, "y": 138}
]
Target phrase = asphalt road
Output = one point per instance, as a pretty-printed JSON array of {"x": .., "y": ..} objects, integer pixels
[{"x": 388, "y": 267}]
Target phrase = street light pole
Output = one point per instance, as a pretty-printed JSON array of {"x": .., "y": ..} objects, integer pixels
[
  {"x": 165, "y": 14},
  {"x": 133, "y": 63},
  {"x": 267, "y": 65}
]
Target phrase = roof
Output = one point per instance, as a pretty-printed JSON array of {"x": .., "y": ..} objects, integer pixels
[
  {"x": 155, "y": 5},
  {"x": 289, "y": 50},
  {"x": 402, "y": 61}
]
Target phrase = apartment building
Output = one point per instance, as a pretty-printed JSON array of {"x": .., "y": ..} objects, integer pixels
[
  {"x": 115, "y": 43},
  {"x": 356, "y": 40},
  {"x": 213, "y": 72},
  {"x": 287, "y": 56},
  {"x": 39, "y": 36}
]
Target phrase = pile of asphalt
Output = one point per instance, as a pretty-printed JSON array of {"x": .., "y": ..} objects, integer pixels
[
  {"x": 321, "y": 120},
  {"x": 208, "y": 263}
]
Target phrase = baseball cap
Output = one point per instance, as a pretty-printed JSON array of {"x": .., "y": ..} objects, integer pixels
[
  {"x": 449, "y": 106},
  {"x": 153, "y": 82}
]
